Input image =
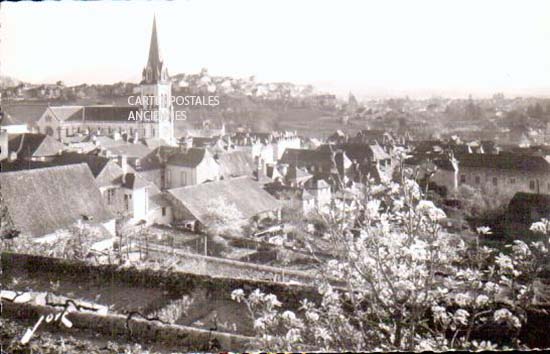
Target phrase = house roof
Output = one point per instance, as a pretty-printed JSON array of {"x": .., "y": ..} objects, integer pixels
[
  {"x": 505, "y": 161},
  {"x": 295, "y": 172},
  {"x": 157, "y": 199},
  {"x": 156, "y": 158},
  {"x": 129, "y": 150},
  {"x": 236, "y": 163},
  {"x": 23, "y": 113},
  {"x": 282, "y": 192},
  {"x": 95, "y": 163},
  {"x": 362, "y": 152},
  {"x": 64, "y": 113},
  {"x": 245, "y": 193},
  {"x": 44, "y": 200},
  {"x": 111, "y": 114},
  {"x": 34, "y": 145},
  {"x": 303, "y": 157},
  {"x": 190, "y": 158},
  {"x": 134, "y": 181}
]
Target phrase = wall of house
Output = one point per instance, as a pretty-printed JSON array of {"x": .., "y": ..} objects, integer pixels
[
  {"x": 178, "y": 176},
  {"x": 445, "y": 178},
  {"x": 48, "y": 124},
  {"x": 282, "y": 144},
  {"x": 322, "y": 196},
  {"x": 265, "y": 153},
  {"x": 140, "y": 201},
  {"x": 15, "y": 128},
  {"x": 208, "y": 169},
  {"x": 114, "y": 200},
  {"x": 156, "y": 216},
  {"x": 504, "y": 182},
  {"x": 179, "y": 211}
]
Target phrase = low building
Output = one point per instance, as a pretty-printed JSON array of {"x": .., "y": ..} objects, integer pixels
[
  {"x": 190, "y": 203},
  {"x": 505, "y": 174},
  {"x": 40, "y": 202}
]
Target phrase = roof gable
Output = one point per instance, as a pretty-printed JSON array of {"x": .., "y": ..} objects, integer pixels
[
  {"x": 34, "y": 145},
  {"x": 63, "y": 113}
]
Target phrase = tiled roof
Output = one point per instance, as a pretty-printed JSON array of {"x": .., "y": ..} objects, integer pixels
[
  {"x": 24, "y": 113},
  {"x": 303, "y": 157},
  {"x": 64, "y": 113},
  {"x": 34, "y": 145},
  {"x": 505, "y": 161},
  {"x": 190, "y": 158},
  {"x": 246, "y": 194},
  {"x": 44, "y": 200},
  {"x": 236, "y": 163},
  {"x": 129, "y": 150},
  {"x": 134, "y": 181},
  {"x": 361, "y": 152},
  {"x": 111, "y": 114}
]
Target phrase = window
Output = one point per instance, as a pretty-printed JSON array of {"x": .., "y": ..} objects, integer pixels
[
  {"x": 478, "y": 179},
  {"x": 495, "y": 181},
  {"x": 512, "y": 181},
  {"x": 462, "y": 178},
  {"x": 183, "y": 179},
  {"x": 532, "y": 185},
  {"x": 126, "y": 201},
  {"x": 163, "y": 211},
  {"x": 110, "y": 196}
]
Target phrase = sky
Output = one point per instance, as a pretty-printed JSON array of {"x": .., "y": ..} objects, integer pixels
[{"x": 371, "y": 48}]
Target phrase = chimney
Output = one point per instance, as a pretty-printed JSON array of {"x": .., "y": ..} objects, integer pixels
[
  {"x": 259, "y": 173},
  {"x": 283, "y": 169},
  {"x": 185, "y": 144},
  {"x": 123, "y": 162}
]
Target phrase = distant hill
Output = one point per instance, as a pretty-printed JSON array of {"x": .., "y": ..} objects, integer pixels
[{"x": 6, "y": 81}]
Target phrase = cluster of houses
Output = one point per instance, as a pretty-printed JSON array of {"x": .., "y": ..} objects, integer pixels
[
  {"x": 93, "y": 163},
  {"x": 494, "y": 170}
]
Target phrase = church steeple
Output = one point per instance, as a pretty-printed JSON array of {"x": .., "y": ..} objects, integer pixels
[{"x": 155, "y": 71}]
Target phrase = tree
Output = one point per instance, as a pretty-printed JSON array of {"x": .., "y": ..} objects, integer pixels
[
  {"x": 223, "y": 218},
  {"x": 404, "y": 284}
]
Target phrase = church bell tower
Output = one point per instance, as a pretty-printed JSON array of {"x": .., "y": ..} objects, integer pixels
[{"x": 157, "y": 87}]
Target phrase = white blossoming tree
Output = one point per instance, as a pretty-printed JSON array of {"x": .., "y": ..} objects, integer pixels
[{"x": 404, "y": 284}]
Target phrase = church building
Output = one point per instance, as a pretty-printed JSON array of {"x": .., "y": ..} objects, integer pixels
[{"x": 152, "y": 117}]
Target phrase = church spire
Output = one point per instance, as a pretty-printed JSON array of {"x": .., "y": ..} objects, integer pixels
[{"x": 154, "y": 71}]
